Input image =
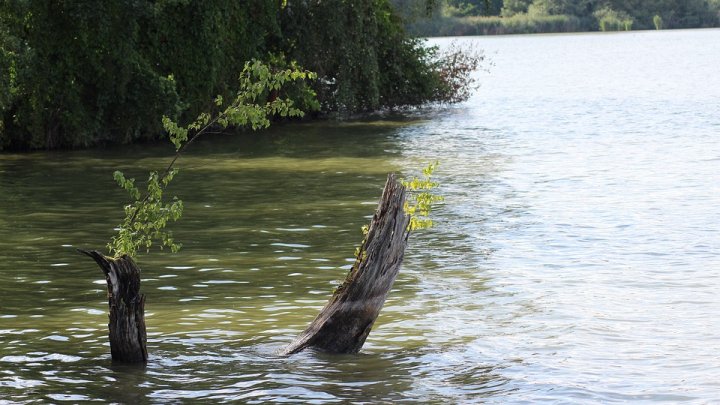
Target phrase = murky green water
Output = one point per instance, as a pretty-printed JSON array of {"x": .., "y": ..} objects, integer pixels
[
  {"x": 576, "y": 258},
  {"x": 271, "y": 224}
]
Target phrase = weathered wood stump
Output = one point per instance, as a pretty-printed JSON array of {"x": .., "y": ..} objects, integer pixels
[
  {"x": 346, "y": 320},
  {"x": 128, "y": 338}
]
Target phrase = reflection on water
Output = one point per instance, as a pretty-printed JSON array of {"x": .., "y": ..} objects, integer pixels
[{"x": 575, "y": 258}]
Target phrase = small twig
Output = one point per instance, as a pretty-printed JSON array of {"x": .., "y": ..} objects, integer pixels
[{"x": 172, "y": 163}]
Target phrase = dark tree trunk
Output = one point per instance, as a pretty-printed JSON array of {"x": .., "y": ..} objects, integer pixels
[
  {"x": 128, "y": 338},
  {"x": 346, "y": 320}
]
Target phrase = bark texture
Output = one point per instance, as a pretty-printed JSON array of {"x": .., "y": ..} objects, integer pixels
[
  {"x": 128, "y": 338},
  {"x": 346, "y": 320}
]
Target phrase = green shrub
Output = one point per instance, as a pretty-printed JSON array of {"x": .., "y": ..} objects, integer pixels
[
  {"x": 77, "y": 73},
  {"x": 658, "y": 22},
  {"x": 611, "y": 20},
  {"x": 516, "y": 24},
  {"x": 102, "y": 72}
]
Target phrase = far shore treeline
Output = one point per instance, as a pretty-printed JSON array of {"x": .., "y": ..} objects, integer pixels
[
  {"x": 77, "y": 73},
  {"x": 483, "y": 17}
]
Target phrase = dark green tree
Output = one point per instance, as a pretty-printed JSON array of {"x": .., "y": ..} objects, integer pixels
[
  {"x": 361, "y": 54},
  {"x": 579, "y": 8},
  {"x": 80, "y": 78},
  {"x": 512, "y": 7},
  {"x": 77, "y": 73},
  {"x": 476, "y": 7},
  {"x": 204, "y": 44}
]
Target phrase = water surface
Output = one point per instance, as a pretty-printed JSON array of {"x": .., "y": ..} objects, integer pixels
[{"x": 576, "y": 258}]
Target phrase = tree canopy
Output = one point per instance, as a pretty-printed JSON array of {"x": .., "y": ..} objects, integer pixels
[{"x": 76, "y": 73}]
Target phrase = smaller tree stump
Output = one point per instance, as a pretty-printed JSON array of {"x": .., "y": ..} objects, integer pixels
[
  {"x": 346, "y": 320},
  {"x": 128, "y": 338}
]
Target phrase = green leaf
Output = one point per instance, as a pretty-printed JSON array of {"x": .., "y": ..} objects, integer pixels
[
  {"x": 420, "y": 199},
  {"x": 147, "y": 216}
]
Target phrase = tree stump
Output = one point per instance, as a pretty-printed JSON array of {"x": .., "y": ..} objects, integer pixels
[
  {"x": 346, "y": 320},
  {"x": 128, "y": 338}
]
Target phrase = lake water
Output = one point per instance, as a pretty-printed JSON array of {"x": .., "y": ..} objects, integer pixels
[{"x": 576, "y": 258}]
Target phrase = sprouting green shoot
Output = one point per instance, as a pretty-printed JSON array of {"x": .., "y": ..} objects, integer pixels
[
  {"x": 420, "y": 198},
  {"x": 418, "y": 205},
  {"x": 147, "y": 215}
]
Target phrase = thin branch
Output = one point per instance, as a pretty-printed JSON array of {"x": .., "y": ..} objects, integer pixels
[{"x": 172, "y": 163}]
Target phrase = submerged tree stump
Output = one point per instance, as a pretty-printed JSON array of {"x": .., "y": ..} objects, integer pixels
[
  {"x": 346, "y": 320},
  {"x": 128, "y": 338}
]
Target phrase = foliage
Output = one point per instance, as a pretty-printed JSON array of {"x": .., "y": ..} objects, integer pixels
[
  {"x": 412, "y": 10},
  {"x": 78, "y": 73},
  {"x": 714, "y": 6},
  {"x": 418, "y": 205},
  {"x": 146, "y": 217},
  {"x": 658, "y": 22},
  {"x": 463, "y": 8},
  {"x": 361, "y": 53},
  {"x": 512, "y": 7},
  {"x": 420, "y": 198},
  {"x": 474, "y": 17},
  {"x": 342, "y": 41},
  {"x": 611, "y": 20},
  {"x": 456, "y": 66},
  {"x": 493, "y": 25},
  {"x": 204, "y": 44},
  {"x": 261, "y": 95},
  {"x": 10, "y": 49}
]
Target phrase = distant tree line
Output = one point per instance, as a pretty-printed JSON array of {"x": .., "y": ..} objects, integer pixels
[
  {"x": 477, "y": 17},
  {"x": 77, "y": 73}
]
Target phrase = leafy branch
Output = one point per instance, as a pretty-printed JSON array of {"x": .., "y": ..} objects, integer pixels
[
  {"x": 257, "y": 100},
  {"x": 420, "y": 198},
  {"x": 418, "y": 204}
]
